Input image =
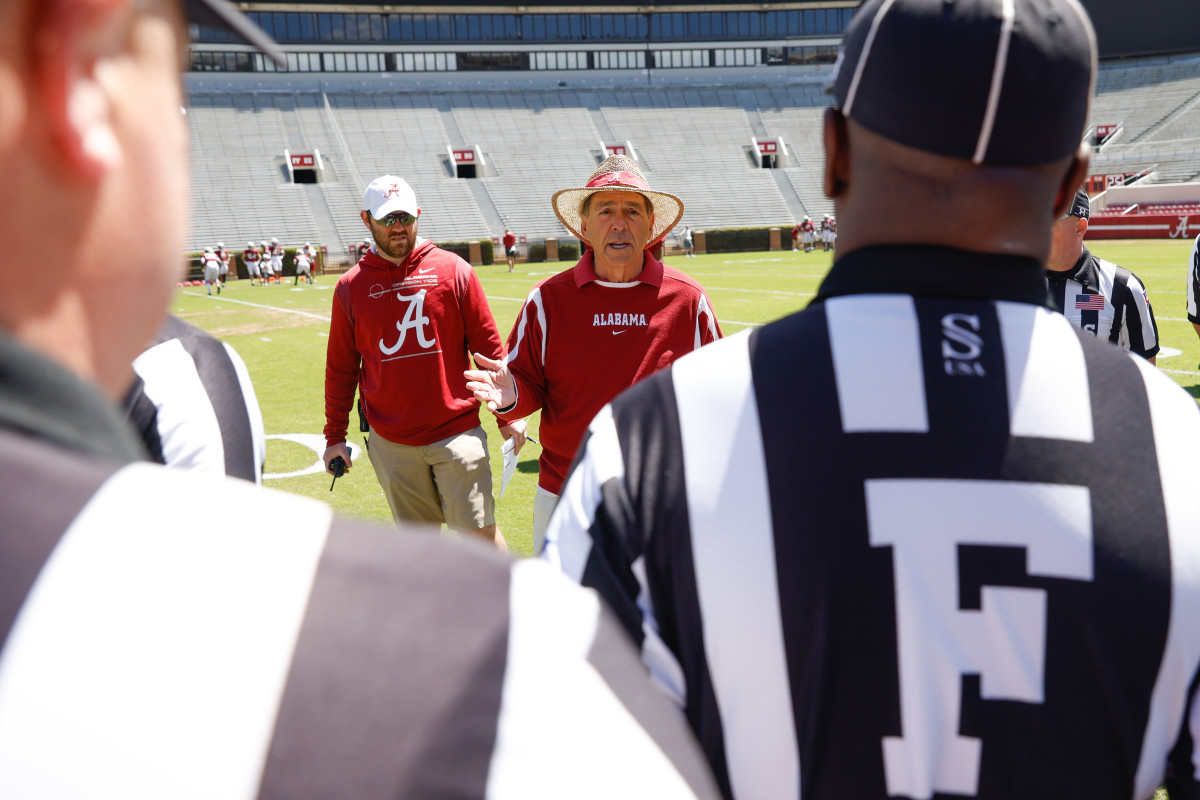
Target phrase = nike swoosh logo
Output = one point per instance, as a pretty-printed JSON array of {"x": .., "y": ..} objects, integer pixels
[
  {"x": 427, "y": 269},
  {"x": 617, "y": 333}
]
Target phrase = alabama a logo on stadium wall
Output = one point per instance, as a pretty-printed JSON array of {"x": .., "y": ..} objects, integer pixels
[
  {"x": 1181, "y": 230},
  {"x": 414, "y": 320}
]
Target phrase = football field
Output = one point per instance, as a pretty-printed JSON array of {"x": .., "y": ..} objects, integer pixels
[{"x": 281, "y": 331}]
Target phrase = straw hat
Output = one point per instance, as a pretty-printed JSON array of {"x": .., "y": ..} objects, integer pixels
[{"x": 618, "y": 173}]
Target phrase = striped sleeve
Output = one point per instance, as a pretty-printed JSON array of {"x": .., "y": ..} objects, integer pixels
[
  {"x": 573, "y": 671},
  {"x": 256, "y": 648},
  {"x": 258, "y": 433},
  {"x": 1175, "y": 700},
  {"x": 708, "y": 330},
  {"x": 196, "y": 407},
  {"x": 527, "y": 356},
  {"x": 1140, "y": 331},
  {"x": 150, "y": 654},
  {"x": 1193, "y": 284},
  {"x": 593, "y": 537}
]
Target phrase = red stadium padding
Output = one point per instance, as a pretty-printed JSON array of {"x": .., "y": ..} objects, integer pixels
[{"x": 1144, "y": 226}]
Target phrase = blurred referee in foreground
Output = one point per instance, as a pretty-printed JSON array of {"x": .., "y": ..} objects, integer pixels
[
  {"x": 193, "y": 405},
  {"x": 154, "y": 645},
  {"x": 923, "y": 539}
]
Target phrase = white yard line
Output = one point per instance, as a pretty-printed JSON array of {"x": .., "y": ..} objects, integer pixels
[
  {"x": 260, "y": 305},
  {"x": 712, "y": 289}
]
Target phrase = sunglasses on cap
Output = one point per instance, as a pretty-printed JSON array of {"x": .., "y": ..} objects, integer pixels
[{"x": 403, "y": 217}]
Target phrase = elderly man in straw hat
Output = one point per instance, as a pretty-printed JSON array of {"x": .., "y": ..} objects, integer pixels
[{"x": 589, "y": 332}]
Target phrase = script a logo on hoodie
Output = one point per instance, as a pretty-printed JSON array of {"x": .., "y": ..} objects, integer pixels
[{"x": 414, "y": 320}]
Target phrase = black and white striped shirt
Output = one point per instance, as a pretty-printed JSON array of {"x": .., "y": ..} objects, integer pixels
[
  {"x": 1108, "y": 301},
  {"x": 921, "y": 539},
  {"x": 156, "y": 645},
  {"x": 194, "y": 405},
  {"x": 1193, "y": 285}
]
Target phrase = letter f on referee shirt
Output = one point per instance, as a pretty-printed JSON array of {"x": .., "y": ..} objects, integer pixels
[{"x": 925, "y": 521}]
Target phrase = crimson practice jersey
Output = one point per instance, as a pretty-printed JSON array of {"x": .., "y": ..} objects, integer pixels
[
  {"x": 580, "y": 340},
  {"x": 909, "y": 545}
]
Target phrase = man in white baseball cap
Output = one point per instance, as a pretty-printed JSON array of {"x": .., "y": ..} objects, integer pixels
[{"x": 401, "y": 317}]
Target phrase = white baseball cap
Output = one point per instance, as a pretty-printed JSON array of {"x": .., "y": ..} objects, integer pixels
[{"x": 388, "y": 194}]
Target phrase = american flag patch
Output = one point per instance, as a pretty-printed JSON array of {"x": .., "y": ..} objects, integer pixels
[{"x": 1092, "y": 301}]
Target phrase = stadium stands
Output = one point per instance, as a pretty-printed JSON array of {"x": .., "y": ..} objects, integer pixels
[
  {"x": 240, "y": 188},
  {"x": 533, "y": 141},
  {"x": 694, "y": 141},
  {"x": 1157, "y": 101}
]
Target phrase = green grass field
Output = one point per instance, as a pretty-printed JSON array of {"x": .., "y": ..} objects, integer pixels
[{"x": 281, "y": 330}]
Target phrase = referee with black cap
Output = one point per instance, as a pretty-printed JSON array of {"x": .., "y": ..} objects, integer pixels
[
  {"x": 1097, "y": 296},
  {"x": 925, "y": 538},
  {"x": 154, "y": 645}
]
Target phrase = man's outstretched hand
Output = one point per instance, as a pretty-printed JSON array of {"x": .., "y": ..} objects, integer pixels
[{"x": 492, "y": 383}]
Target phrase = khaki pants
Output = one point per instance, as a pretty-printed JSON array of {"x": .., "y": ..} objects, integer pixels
[{"x": 447, "y": 481}]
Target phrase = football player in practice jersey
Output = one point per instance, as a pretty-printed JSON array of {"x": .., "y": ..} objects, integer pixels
[
  {"x": 223, "y": 254},
  {"x": 253, "y": 260},
  {"x": 807, "y": 231},
  {"x": 277, "y": 252},
  {"x": 210, "y": 263},
  {"x": 266, "y": 263},
  {"x": 312, "y": 254},
  {"x": 303, "y": 267}
]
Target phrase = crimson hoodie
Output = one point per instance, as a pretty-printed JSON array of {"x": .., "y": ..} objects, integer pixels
[{"x": 401, "y": 334}]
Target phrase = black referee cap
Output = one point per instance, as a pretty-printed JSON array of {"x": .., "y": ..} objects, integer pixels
[
  {"x": 1081, "y": 206},
  {"x": 223, "y": 14},
  {"x": 1000, "y": 82}
]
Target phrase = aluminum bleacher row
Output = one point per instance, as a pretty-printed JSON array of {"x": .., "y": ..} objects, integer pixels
[
  {"x": 692, "y": 141},
  {"x": 1157, "y": 101}
]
